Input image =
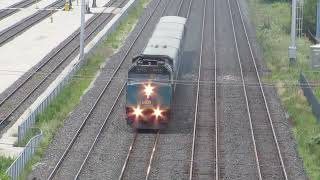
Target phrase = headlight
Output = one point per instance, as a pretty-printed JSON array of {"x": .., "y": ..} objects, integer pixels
[
  {"x": 137, "y": 112},
  {"x": 157, "y": 112},
  {"x": 148, "y": 90}
]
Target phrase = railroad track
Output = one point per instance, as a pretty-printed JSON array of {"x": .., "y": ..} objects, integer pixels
[
  {"x": 16, "y": 29},
  {"x": 15, "y": 8},
  {"x": 140, "y": 165},
  {"x": 267, "y": 153},
  {"x": 26, "y": 92},
  {"x": 204, "y": 151}
]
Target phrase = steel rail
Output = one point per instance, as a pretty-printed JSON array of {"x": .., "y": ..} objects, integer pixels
[
  {"x": 100, "y": 131},
  {"x": 53, "y": 69},
  {"x": 154, "y": 148},
  {"x": 124, "y": 167},
  {"x": 99, "y": 98},
  {"x": 245, "y": 95},
  {"x": 177, "y": 14},
  {"x": 17, "y": 6},
  {"x": 189, "y": 9},
  {"x": 152, "y": 155},
  {"x": 180, "y": 6},
  {"x": 263, "y": 94},
  {"x": 197, "y": 95},
  {"x": 215, "y": 95},
  {"x": 38, "y": 13}
]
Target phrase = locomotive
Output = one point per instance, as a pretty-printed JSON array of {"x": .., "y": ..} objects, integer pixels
[{"x": 150, "y": 85}]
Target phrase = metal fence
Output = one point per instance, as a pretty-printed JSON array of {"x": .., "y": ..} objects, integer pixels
[
  {"x": 17, "y": 166},
  {"x": 29, "y": 120},
  {"x": 308, "y": 93}
]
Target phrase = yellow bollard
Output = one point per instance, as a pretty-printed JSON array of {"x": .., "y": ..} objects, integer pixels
[{"x": 67, "y": 6}]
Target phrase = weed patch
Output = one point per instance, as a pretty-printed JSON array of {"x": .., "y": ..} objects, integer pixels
[{"x": 5, "y": 163}]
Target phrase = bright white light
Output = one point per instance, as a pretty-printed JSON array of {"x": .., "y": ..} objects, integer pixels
[
  {"x": 157, "y": 112},
  {"x": 137, "y": 111},
  {"x": 148, "y": 90}
]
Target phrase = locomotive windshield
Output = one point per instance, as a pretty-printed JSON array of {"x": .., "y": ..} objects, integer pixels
[
  {"x": 153, "y": 73},
  {"x": 154, "y": 77}
]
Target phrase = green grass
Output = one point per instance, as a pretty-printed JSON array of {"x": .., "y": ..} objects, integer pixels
[
  {"x": 53, "y": 117},
  {"x": 313, "y": 78},
  {"x": 30, "y": 134},
  {"x": 272, "y": 22},
  {"x": 5, "y": 162}
]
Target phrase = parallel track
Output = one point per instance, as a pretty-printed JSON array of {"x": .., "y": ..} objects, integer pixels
[
  {"x": 205, "y": 146},
  {"x": 50, "y": 68},
  {"x": 269, "y": 163},
  {"x": 22, "y": 4},
  {"x": 205, "y": 118}
]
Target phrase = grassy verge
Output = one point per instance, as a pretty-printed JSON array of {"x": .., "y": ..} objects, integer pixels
[
  {"x": 5, "y": 162},
  {"x": 313, "y": 78},
  {"x": 53, "y": 117},
  {"x": 272, "y": 22}
]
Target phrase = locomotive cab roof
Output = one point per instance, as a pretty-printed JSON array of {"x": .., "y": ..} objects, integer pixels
[
  {"x": 174, "y": 19},
  {"x": 161, "y": 59},
  {"x": 164, "y": 46}
]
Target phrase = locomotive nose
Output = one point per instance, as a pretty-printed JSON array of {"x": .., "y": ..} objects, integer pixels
[
  {"x": 148, "y": 103},
  {"x": 148, "y": 114}
]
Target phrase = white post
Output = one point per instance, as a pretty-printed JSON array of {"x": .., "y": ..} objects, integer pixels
[
  {"x": 83, "y": 4},
  {"x": 318, "y": 19},
  {"x": 293, "y": 48}
]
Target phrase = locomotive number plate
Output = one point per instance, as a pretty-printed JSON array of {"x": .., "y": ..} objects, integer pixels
[{"x": 146, "y": 102}]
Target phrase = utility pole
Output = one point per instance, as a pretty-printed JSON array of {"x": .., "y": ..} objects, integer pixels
[
  {"x": 83, "y": 5},
  {"x": 318, "y": 20},
  {"x": 293, "y": 48}
]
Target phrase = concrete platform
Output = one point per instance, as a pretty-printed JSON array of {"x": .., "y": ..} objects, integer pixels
[
  {"x": 26, "y": 50},
  {"x": 7, "y": 3},
  {"x": 16, "y": 17}
]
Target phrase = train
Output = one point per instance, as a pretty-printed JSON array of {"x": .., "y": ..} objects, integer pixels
[{"x": 152, "y": 74}]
